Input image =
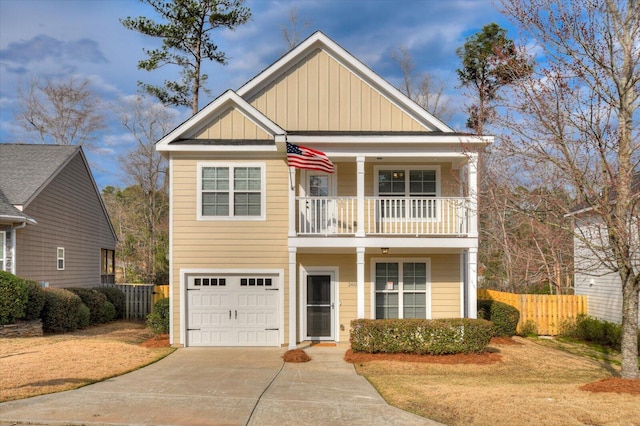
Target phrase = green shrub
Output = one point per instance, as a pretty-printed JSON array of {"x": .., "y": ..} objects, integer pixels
[
  {"x": 420, "y": 336},
  {"x": 96, "y": 302},
  {"x": 504, "y": 317},
  {"x": 529, "y": 328},
  {"x": 109, "y": 311},
  {"x": 63, "y": 311},
  {"x": 13, "y": 298},
  {"x": 158, "y": 320},
  {"x": 35, "y": 300},
  {"x": 117, "y": 298},
  {"x": 589, "y": 329}
]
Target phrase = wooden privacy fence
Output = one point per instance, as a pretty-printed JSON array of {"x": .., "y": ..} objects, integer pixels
[
  {"x": 138, "y": 300},
  {"x": 160, "y": 292},
  {"x": 546, "y": 311}
]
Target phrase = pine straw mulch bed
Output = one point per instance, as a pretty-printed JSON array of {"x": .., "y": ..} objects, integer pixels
[{"x": 611, "y": 384}]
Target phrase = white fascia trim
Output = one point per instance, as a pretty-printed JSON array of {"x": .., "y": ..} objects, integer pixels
[
  {"x": 425, "y": 242},
  {"x": 219, "y": 105},
  {"x": 318, "y": 40},
  {"x": 218, "y": 148},
  {"x": 392, "y": 139}
]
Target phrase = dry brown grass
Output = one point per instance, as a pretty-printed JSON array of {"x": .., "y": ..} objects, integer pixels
[
  {"x": 532, "y": 384},
  {"x": 40, "y": 365}
]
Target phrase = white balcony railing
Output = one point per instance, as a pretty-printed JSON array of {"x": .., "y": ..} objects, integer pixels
[{"x": 436, "y": 216}]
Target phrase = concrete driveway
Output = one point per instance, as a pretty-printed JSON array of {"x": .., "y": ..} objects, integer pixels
[{"x": 221, "y": 386}]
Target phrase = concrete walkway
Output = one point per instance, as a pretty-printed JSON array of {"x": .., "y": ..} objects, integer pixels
[{"x": 221, "y": 386}]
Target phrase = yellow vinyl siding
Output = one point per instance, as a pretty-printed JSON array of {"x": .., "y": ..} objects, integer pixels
[
  {"x": 228, "y": 244},
  {"x": 346, "y": 300},
  {"x": 445, "y": 286},
  {"x": 232, "y": 124},
  {"x": 321, "y": 94}
]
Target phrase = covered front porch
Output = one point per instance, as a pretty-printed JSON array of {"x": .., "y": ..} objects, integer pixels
[{"x": 332, "y": 286}]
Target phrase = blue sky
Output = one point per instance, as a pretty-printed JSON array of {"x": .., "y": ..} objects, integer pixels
[{"x": 84, "y": 38}]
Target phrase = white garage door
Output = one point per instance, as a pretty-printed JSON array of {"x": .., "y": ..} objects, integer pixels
[{"x": 232, "y": 310}]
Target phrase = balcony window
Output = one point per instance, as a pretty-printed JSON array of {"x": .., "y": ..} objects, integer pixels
[{"x": 399, "y": 183}]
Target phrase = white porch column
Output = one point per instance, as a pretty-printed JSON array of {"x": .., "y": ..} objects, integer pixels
[
  {"x": 360, "y": 282},
  {"x": 472, "y": 282},
  {"x": 472, "y": 169},
  {"x": 292, "y": 202},
  {"x": 360, "y": 197},
  {"x": 293, "y": 284}
]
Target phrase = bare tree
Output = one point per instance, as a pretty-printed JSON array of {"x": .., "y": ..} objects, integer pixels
[
  {"x": 145, "y": 169},
  {"x": 423, "y": 88},
  {"x": 63, "y": 112},
  {"x": 292, "y": 34},
  {"x": 574, "y": 125}
]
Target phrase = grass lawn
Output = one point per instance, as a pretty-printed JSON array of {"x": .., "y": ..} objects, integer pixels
[
  {"x": 532, "y": 382},
  {"x": 54, "y": 363}
]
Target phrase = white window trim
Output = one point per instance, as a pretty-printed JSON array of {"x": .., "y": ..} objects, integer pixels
[
  {"x": 59, "y": 258},
  {"x": 263, "y": 192},
  {"x": 406, "y": 168},
  {"x": 3, "y": 246},
  {"x": 400, "y": 260}
]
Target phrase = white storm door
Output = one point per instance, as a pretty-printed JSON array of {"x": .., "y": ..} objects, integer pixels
[{"x": 319, "y": 307}]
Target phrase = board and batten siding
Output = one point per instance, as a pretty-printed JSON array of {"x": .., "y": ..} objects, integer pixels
[
  {"x": 319, "y": 93},
  {"x": 232, "y": 124},
  {"x": 69, "y": 214},
  {"x": 228, "y": 244}
]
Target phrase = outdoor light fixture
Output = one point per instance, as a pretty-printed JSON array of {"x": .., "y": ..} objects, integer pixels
[{"x": 385, "y": 250}]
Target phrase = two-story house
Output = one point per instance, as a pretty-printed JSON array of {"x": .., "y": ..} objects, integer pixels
[
  {"x": 381, "y": 223},
  {"x": 54, "y": 227}
]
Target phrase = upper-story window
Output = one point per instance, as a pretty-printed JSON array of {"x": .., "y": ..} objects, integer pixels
[
  {"x": 400, "y": 182},
  {"x": 231, "y": 191}
]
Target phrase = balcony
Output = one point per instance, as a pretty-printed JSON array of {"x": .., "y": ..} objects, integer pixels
[{"x": 383, "y": 216}]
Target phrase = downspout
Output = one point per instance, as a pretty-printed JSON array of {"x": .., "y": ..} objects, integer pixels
[{"x": 13, "y": 245}]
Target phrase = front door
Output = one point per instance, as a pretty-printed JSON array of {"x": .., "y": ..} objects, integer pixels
[{"x": 319, "y": 307}]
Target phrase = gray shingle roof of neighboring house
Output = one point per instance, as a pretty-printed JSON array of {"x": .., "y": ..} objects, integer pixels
[
  {"x": 25, "y": 169},
  {"x": 10, "y": 213}
]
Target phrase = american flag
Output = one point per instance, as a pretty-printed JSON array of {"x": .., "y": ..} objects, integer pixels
[{"x": 302, "y": 157}]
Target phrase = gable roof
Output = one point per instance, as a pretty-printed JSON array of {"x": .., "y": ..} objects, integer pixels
[
  {"x": 319, "y": 41},
  {"x": 26, "y": 169},
  {"x": 192, "y": 135},
  {"x": 229, "y": 100}
]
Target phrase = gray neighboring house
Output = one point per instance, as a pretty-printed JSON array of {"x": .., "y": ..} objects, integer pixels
[
  {"x": 54, "y": 227},
  {"x": 602, "y": 287}
]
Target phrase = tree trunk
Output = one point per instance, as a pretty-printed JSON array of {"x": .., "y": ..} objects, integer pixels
[{"x": 630, "y": 331}]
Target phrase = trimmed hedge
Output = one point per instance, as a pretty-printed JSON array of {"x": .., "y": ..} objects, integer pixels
[
  {"x": 101, "y": 310},
  {"x": 117, "y": 298},
  {"x": 63, "y": 311},
  {"x": 420, "y": 336},
  {"x": 13, "y": 298},
  {"x": 504, "y": 317},
  {"x": 158, "y": 320},
  {"x": 35, "y": 300}
]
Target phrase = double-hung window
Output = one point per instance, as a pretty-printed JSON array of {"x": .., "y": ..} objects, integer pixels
[
  {"x": 231, "y": 191},
  {"x": 401, "y": 289},
  {"x": 409, "y": 190},
  {"x": 60, "y": 258}
]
